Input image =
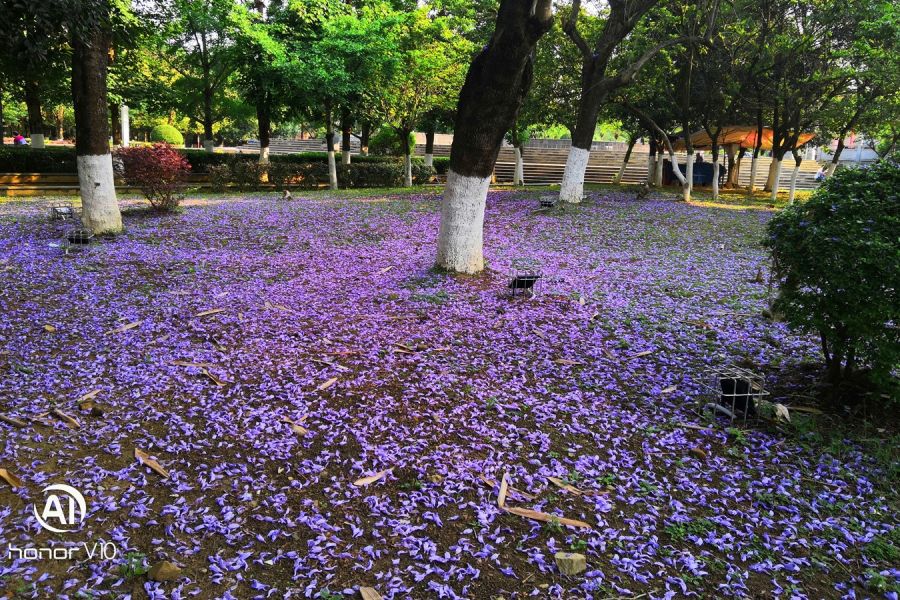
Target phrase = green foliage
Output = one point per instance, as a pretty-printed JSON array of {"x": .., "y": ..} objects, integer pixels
[
  {"x": 838, "y": 257},
  {"x": 167, "y": 134},
  {"x": 201, "y": 161},
  {"x": 159, "y": 170},
  {"x": 386, "y": 141},
  {"x": 24, "y": 159},
  {"x": 133, "y": 565},
  {"x": 441, "y": 164}
]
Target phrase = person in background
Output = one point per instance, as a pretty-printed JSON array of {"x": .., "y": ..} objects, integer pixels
[
  {"x": 699, "y": 157},
  {"x": 821, "y": 174},
  {"x": 19, "y": 140}
]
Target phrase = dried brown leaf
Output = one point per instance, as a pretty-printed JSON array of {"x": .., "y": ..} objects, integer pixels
[
  {"x": 13, "y": 421},
  {"x": 700, "y": 324},
  {"x": 540, "y": 334},
  {"x": 669, "y": 389},
  {"x": 805, "y": 409},
  {"x": 144, "y": 458},
  {"x": 11, "y": 479},
  {"x": 367, "y": 593},
  {"x": 562, "y": 484},
  {"x": 182, "y": 363},
  {"x": 49, "y": 328},
  {"x": 566, "y": 361},
  {"x": 501, "y": 495},
  {"x": 213, "y": 311},
  {"x": 539, "y": 516},
  {"x": 371, "y": 478},
  {"x": 609, "y": 354},
  {"x": 88, "y": 396},
  {"x": 215, "y": 379},
  {"x": 70, "y": 421},
  {"x": 327, "y": 384},
  {"x": 124, "y": 327},
  {"x": 639, "y": 354},
  {"x": 384, "y": 270},
  {"x": 699, "y": 452}
]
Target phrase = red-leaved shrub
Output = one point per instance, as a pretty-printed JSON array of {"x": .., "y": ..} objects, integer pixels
[{"x": 158, "y": 170}]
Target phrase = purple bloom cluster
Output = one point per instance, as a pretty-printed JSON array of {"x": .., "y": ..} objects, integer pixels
[{"x": 439, "y": 379}]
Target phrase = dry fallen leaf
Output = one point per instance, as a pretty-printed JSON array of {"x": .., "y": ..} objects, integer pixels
[
  {"x": 539, "y": 516},
  {"x": 384, "y": 270},
  {"x": 367, "y": 593},
  {"x": 699, "y": 452},
  {"x": 295, "y": 426},
  {"x": 182, "y": 363},
  {"x": 562, "y": 484},
  {"x": 49, "y": 328},
  {"x": 501, "y": 495},
  {"x": 144, "y": 458},
  {"x": 581, "y": 301},
  {"x": 71, "y": 422},
  {"x": 805, "y": 409},
  {"x": 372, "y": 478},
  {"x": 493, "y": 484},
  {"x": 565, "y": 361},
  {"x": 11, "y": 479},
  {"x": 124, "y": 327},
  {"x": 13, "y": 421},
  {"x": 209, "y": 312},
  {"x": 639, "y": 354},
  {"x": 540, "y": 334},
  {"x": 88, "y": 396},
  {"x": 669, "y": 389},
  {"x": 215, "y": 379},
  {"x": 222, "y": 295},
  {"x": 781, "y": 412},
  {"x": 594, "y": 316},
  {"x": 327, "y": 384},
  {"x": 609, "y": 354},
  {"x": 699, "y": 324}
]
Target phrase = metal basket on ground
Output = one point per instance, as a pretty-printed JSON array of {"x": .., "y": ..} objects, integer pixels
[
  {"x": 737, "y": 393},
  {"x": 525, "y": 277},
  {"x": 547, "y": 202},
  {"x": 62, "y": 211},
  {"x": 75, "y": 238}
]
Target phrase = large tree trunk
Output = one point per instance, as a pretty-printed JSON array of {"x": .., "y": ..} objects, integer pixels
[
  {"x": 687, "y": 184},
  {"x": 631, "y": 142},
  {"x": 497, "y": 81},
  {"x": 429, "y": 147},
  {"x": 715, "y": 161},
  {"x": 730, "y": 161},
  {"x": 660, "y": 163},
  {"x": 364, "y": 139},
  {"x": 407, "y": 156},
  {"x": 264, "y": 123},
  {"x": 208, "y": 142},
  {"x": 345, "y": 135},
  {"x": 100, "y": 210},
  {"x": 114, "y": 124},
  {"x": 775, "y": 177},
  {"x": 35, "y": 117}
]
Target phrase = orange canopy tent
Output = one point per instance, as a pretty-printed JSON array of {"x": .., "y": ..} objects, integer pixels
[{"x": 745, "y": 137}]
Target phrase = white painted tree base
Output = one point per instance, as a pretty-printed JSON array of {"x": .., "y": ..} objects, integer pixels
[
  {"x": 345, "y": 157},
  {"x": 429, "y": 160},
  {"x": 572, "y": 188},
  {"x": 264, "y": 156},
  {"x": 715, "y": 181},
  {"x": 793, "y": 191},
  {"x": 775, "y": 177},
  {"x": 100, "y": 209},
  {"x": 519, "y": 174},
  {"x": 332, "y": 170},
  {"x": 462, "y": 223},
  {"x": 37, "y": 140},
  {"x": 658, "y": 175},
  {"x": 831, "y": 169},
  {"x": 407, "y": 170},
  {"x": 209, "y": 145}
]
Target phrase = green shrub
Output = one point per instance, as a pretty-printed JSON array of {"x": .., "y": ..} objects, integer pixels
[
  {"x": 838, "y": 257},
  {"x": 442, "y": 164},
  {"x": 25, "y": 159},
  {"x": 386, "y": 141},
  {"x": 422, "y": 174},
  {"x": 201, "y": 160},
  {"x": 219, "y": 177},
  {"x": 167, "y": 134},
  {"x": 247, "y": 175}
]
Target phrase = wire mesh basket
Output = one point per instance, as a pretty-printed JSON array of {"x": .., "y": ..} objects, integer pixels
[
  {"x": 525, "y": 277},
  {"x": 737, "y": 392}
]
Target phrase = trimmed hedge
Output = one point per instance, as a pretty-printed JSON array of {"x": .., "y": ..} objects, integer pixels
[
  {"x": 24, "y": 159},
  {"x": 441, "y": 164},
  {"x": 246, "y": 176},
  {"x": 167, "y": 134}
]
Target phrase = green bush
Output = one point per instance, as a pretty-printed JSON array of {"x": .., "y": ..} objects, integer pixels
[
  {"x": 838, "y": 258},
  {"x": 422, "y": 174},
  {"x": 24, "y": 159},
  {"x": 167, "y": 134},
  {"x": 442, "y": 164},
  {"x": 386, "y": 141},
  {"x": 201, "y": 160},
  {"x": 219, "y": 177}
]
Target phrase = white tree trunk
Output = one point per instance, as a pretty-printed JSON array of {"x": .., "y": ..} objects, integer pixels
[
  {"x": 618, "y": 178},
  {"x": 407, "y": 170},
  {"x": 332, "y": 169},
  {"x": 660, "y": 161},
  {"x": 687, "y": 185},
  {"x": 651, "y": 170},
  {"x": 793, "y": 183},
  {"x": 770, "y": 179},
  {"x": 209, "y": 145},
  {"x": 754, "y": 165},
  {"x": 462, "y": 223},
  {"x": 264, "y": 156},
  {"x": 429, "y": 160},
  {"x": 99, "y": 207},
  {"x": 126, "y": 126},
  {"x": 735, "y": 178},
  {"x": 37, "y": 140},
  {"x": 715, "y": 181},
  {"x": 519, "y": 174},
  {"x": 572, "y": 188},
  {"x": 831, "y": 169},
  {"x": 345, "y": 157},
  {"x": 776, "y": 177}
]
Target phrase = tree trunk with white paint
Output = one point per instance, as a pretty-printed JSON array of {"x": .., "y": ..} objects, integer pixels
[
  {"x": 618, "y": 178},
  {"x": 715, "y": 162},
  {"x": 660, "y": 162},
  {"x": 831, "y": 169},
  {"x": 345, "y": 135},
  {"x": 572, "y": 188},
  {"x": 519, "y": 174},
  {"x": 771, "y": 177},
  {"x": 687, "y": 184},
  {"x": 496, "y": 83},
  {"x": 407, "y": 157},
  {"x": 798, "y": 159},
  {"x": 126, "y": 126},
  {"x": 329, "y": 143},
  {"x": 35, "y": 114},
  {"x": 776, "y": 177},
  {"x": 429, "y": 147},
  {"x": 100, "y": 209},
  {"x": 754, "y": 167}
]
